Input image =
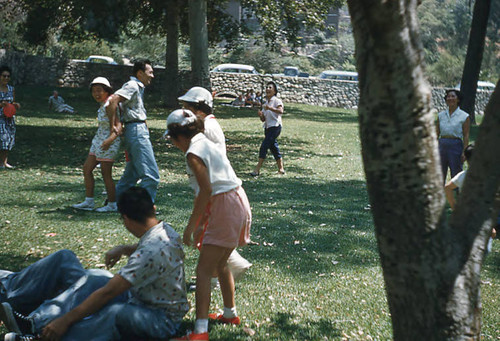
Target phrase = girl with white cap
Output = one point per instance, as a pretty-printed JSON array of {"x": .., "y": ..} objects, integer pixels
[
  {"x": 104, "y": 149},
  {"x": 222, "y": 203},
  {"x": 200, "y": 102}
]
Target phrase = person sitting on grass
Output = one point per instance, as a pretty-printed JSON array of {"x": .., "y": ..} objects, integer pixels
[
  {"x": 56, "y": 298},
  {"x": 456, "y": 182},
  {"x": 57, "y": 104}
]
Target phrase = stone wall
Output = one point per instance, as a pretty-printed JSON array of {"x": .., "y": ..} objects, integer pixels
[{"x": 36, "y": 70}]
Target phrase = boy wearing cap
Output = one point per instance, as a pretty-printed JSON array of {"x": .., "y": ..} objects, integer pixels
[
  {"x": 104, "y": 149},
  {"x": 142, "y": 164}
]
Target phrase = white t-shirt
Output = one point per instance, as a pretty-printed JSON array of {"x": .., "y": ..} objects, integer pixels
[
  {"x": 214, "y": 132},
  {"x": 272, "y": 119},
  {"x": 222, "y": 176}
]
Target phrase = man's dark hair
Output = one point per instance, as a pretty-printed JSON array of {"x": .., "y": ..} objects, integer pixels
[
  {"x": 140, "y": 65},
  {"x": 468, "y": 151},
  {"x": 136, "y": 204}
]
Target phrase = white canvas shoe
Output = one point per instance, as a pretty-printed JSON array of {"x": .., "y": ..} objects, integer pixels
[
  {"x": 107, "y": 208},
  {"x": 85, "y": 205}
]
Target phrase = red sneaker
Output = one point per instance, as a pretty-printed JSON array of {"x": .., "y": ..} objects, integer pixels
[
  {"x": 222, "y": 319},
  {"x": 192, "y": 336}
]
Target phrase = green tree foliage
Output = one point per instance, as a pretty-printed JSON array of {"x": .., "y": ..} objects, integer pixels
[
  {"x": 287, "y": 18},
  {"x": 444, "y": 29}
]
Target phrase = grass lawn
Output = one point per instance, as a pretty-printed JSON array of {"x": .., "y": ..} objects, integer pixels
[{"x": 316, "y": 272}]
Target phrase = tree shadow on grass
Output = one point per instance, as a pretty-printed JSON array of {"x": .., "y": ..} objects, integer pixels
[
  {"x": 318, "y": 222},
  {"x": 281, "y": 327},
  {"x": 51, "y": 146},
  {"x": 13, "y": 262}
]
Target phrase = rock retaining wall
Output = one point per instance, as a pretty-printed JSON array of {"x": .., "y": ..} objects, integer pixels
[{"x": 36, "y": 70}]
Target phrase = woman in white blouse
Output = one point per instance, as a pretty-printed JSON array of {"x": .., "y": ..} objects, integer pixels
[
  {"x": 453, "y": 128},
  {"x": 271, "y": 113}
]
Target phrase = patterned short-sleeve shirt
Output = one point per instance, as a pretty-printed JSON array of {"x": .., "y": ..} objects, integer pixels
[{"x": 156, "y": 272}]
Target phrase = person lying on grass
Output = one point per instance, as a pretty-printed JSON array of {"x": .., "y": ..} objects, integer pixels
[{"x": 57, "y": 299}]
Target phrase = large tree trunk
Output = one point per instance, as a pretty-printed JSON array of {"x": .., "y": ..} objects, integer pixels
[
  {"x": 198, "y": 37},
  {"x": 474, "y": 56},
  {"x": 431, "y": 268},
  {"x": 172, "y": 86}
]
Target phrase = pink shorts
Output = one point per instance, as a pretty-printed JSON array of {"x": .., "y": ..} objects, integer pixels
[{"x": 229, "y": 219}]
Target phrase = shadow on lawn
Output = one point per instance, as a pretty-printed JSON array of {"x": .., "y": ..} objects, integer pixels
[
  {"x": 281, "y": 327},
  {"x": 15, "y": 263},
  {"x": 320, "y": 223}
]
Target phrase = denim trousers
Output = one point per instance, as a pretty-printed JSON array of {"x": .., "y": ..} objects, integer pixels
[
  {"x": 58, "y": 283},
  {"x": 142, "y": 165},
  {"x": 270, "y": 136},
  {"x": 450, "y": 151}
]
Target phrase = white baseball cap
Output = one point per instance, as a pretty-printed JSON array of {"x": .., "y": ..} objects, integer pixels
[
  {"x": 101, "y": 80},
  {"x": 198, "y": 94},
  {"x": 180, "y": 116}
]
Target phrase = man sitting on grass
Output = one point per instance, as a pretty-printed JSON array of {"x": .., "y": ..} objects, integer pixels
[
  {"x": 57, "y": 104},
  {"x": 55, "y": 298}
]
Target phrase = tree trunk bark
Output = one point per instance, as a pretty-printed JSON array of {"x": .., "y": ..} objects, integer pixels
[
  {"x": 430, "y": 270},
  {"x": 474, "y": 56},
  {"x": 198, "y": 37},
  {"x": 172, "y": 86}
]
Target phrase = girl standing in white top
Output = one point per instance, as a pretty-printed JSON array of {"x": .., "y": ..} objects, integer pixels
[
  {"x": 271, "y": 116},
  {"x": 104, "y": 148},
  {"x": 222, "y": 203}
]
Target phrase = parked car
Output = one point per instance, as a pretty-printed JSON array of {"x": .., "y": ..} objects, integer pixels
[
  {"x": 293, "y": 71},
  {"x": 482, "y": 85},
  {"x": 235, "y": 68},
  {"x": 339, "y": 75},
  {"x": 101, "y": 60}
]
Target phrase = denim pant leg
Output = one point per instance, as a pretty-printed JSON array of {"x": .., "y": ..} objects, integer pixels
[
  {"x": 142, "y": 164},
  {"x": 444, "y": 157},
  {"x": 136, "y": 321},
  {"x": 455, "y": 157},
  {"x": 100, "y": 326},
  {"x": 450, "y": 151},
  {"x": 72, "y": 297},
  {"x": 270, "y": 136},
  {"x": 27, "y": 289}
]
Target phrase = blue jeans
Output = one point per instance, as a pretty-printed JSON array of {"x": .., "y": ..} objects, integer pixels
[
  {"x": 142, "y": 165},
  {"x": 270, "y": 136},
  {"x": 50, "y": 275},
  {"x": 450, "y": 151}
]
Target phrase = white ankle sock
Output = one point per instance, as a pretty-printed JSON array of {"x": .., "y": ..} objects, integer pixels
[
  {"x": 112, "y": 204},
  {"x": 230, "y": 312},
  {"x": 201, "y": 326},
  {"x": 89, "y": 199}
]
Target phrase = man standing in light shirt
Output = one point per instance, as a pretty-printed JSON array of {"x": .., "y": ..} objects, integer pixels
[{"x": 142, "y": 164}]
